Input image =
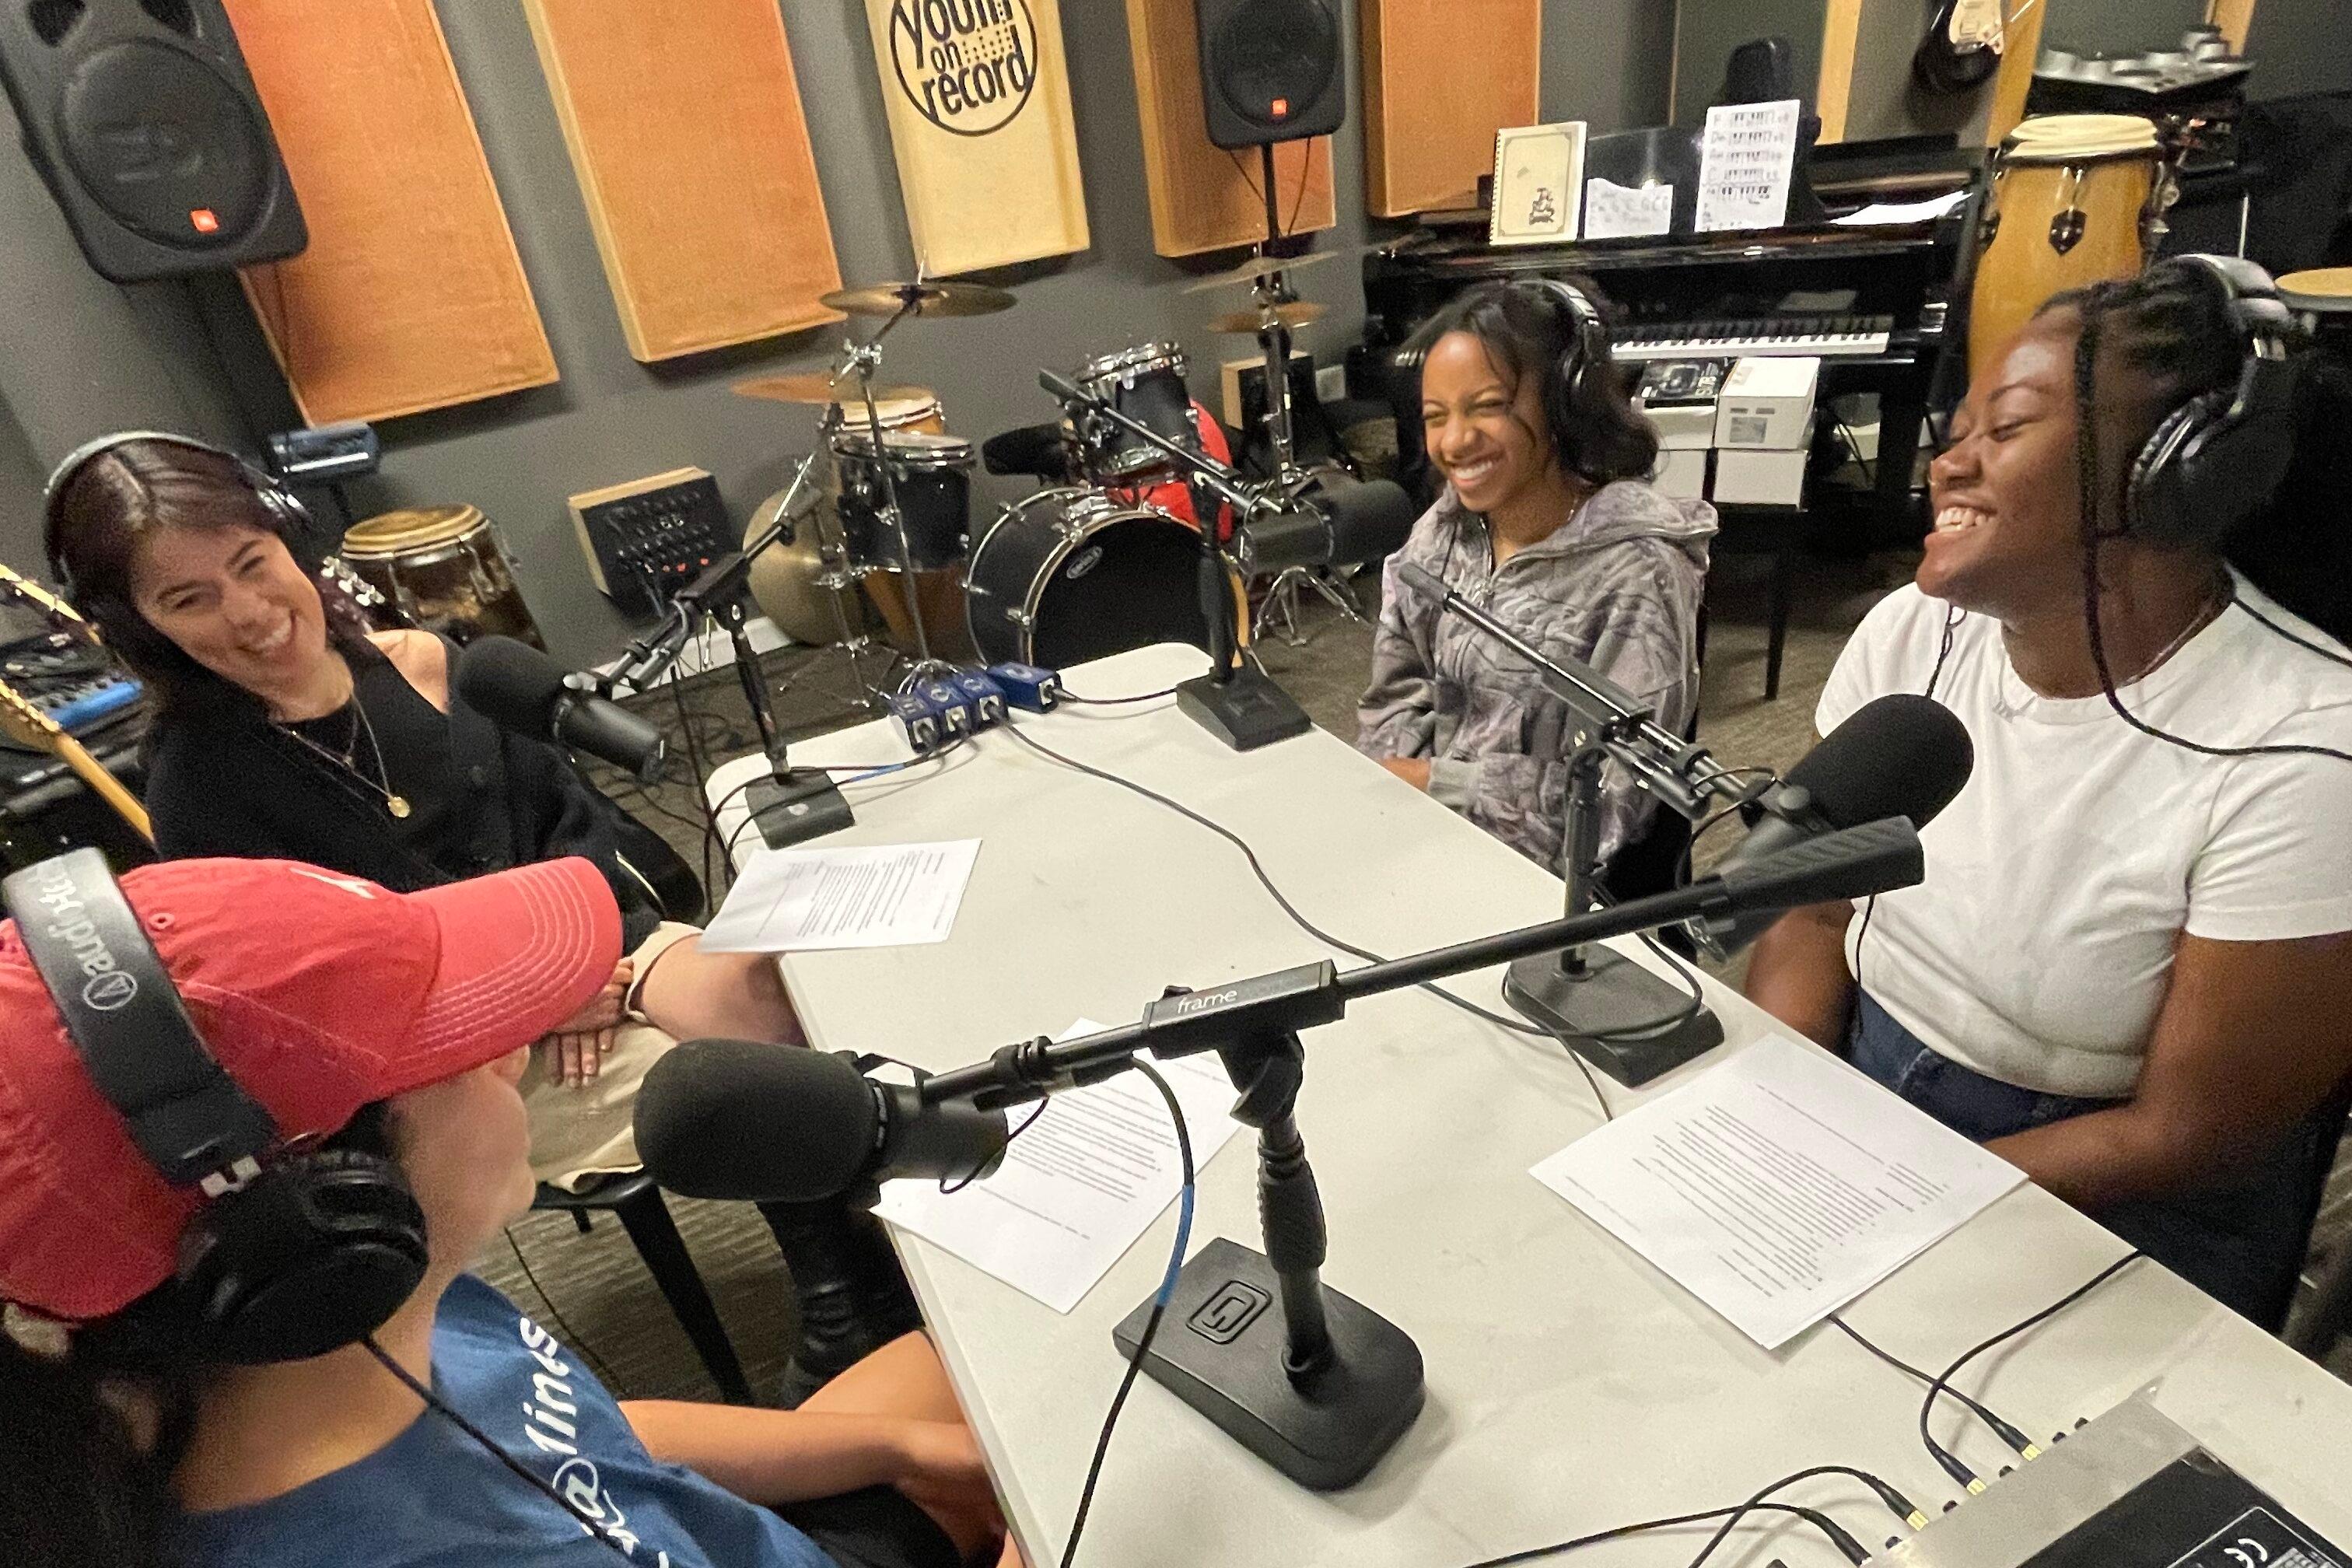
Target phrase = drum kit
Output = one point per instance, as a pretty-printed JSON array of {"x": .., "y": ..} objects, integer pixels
[{"x": 1073, "y": 572}]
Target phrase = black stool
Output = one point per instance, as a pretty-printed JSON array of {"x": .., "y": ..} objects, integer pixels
[{"x": 637, "y": 1204}]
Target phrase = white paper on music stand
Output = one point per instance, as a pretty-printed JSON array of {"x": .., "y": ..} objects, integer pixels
[
  {"x": 1744, "y": 164},
  {"x": 1778, "y": 1186},
  {"x": 1080, "y": 1186},
  {"x": 807, "y": 901},
  {"x": 1612, "y": 211}
]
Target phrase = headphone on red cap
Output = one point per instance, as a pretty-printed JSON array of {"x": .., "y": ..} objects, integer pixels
[{"x": 300, "y": 1250}]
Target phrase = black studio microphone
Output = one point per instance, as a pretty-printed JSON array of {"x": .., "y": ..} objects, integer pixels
[
  {"x": 1903, "y": 755},
  {"x": 758, "y": 1123},
  {"x": 1340, "y": 522},
  {"x": 518, "y": 688}
]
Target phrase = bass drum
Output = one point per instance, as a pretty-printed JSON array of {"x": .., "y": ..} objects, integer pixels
[{"x": 1066, "y": 576}]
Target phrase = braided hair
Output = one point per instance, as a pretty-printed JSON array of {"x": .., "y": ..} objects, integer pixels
[{"x": 2170, "y": 330}]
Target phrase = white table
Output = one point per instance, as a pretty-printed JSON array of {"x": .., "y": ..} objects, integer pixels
[{"x": 1571, "y": 1386}]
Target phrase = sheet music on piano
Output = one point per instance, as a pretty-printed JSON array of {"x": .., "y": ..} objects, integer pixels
[{"x": 1746, "y": 159}]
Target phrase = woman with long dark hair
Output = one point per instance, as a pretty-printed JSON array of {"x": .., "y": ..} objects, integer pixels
[
  {"x": 2129, "y": 968},
  {"x": 283, "y": 729},
  {"x": 1548, "y": 522}
]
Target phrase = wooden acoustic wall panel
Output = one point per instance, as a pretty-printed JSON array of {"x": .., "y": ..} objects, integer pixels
[
  {"x": 685, "y": 124},
  {"x": 1204, "y": 198},
  {"x": 1441, "y": 77},
  {"x": 411, "y": 295}
]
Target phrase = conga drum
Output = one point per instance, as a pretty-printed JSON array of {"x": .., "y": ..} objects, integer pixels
[
  {"x": 2321, "y": 301},
  {"x": 444, "y": 569},
  {"x": 2076, "y": 199},
  {"x": 939, "y": 590}
]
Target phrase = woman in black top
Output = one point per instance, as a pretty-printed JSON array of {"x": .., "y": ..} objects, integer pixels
[{"x": 282, "y": 729}]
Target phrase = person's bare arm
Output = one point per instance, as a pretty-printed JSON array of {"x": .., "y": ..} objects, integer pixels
[
  {"x": 776, "y": 1456},
  {"x": 1796, "y": 972},
  {"x": 2251, "y": 1037}
]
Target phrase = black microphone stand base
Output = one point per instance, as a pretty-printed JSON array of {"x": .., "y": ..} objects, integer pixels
[
  {"x": 1220, "y": 1349},
  {"x": 1607, "y": 1012},
  {"x": 1245, "y": 709},
  {"x": 801, "y": 805}
]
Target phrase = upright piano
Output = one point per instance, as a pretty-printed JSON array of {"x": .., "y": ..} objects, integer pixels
[{"x": 1882, "y": 304}]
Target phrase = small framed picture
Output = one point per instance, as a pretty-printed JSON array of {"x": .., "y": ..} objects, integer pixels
[{"x": 1539, "y": 184}]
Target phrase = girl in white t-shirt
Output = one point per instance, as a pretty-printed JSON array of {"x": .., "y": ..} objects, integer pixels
[{"x": 2129, "y": 967}]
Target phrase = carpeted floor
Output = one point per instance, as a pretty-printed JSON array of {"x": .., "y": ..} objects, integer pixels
[{"x": 593, "y": 1290}]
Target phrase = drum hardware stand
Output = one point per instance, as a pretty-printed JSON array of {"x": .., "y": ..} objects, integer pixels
[
  {"x": 792, "y": 803},
  {"x": 862, "y": 360},
  {"x": 1282, "y": 599},
  {"x": 1236, "y": 701}
]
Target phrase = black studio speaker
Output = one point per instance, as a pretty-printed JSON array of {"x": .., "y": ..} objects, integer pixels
[
  {"x": 1270, "y": 70},
  {"x": 143, "y": 122}
]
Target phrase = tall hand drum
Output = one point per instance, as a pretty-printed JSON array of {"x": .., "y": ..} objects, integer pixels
[
  {"x": 444, "y": 569},
  {"x": 2076, "y": 199}
]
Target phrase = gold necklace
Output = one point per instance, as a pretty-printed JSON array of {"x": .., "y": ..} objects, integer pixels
[{"x": 349, "y": 759}]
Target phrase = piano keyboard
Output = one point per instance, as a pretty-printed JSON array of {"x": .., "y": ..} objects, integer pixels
[{"x": 1830, "y": 337}]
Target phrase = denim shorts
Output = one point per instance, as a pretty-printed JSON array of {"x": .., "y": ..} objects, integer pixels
[{"x": 2240, "y": 1239}]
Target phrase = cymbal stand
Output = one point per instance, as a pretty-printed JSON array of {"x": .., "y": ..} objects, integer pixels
[{"x": 862, "y": 360}]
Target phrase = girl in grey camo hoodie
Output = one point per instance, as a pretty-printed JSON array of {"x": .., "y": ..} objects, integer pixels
[{"x": 1545, "y": 523}]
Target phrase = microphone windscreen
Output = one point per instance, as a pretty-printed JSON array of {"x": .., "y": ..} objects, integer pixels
[
  {"x": 1421, "y": 580},
  {"x": 1900, "y": 755},
  {"x": 1032, "y": 449},
  {"x": 1371, "y": 518},
  {"x": 511, "y": 683},
  {"x": 752, "y": 1123}
]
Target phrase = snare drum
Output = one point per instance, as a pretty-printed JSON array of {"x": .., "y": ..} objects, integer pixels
[
  {"x": 1146, "y": 384},
  {"x": 1070, "y": 574},
  {"x": 2076, "y": 199},
  {"x": 443, "y": 568},
  {"x": 932, "y": 478}
]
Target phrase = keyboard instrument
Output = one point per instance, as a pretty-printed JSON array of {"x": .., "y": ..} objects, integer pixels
[{"x": 1870, "y": 300}]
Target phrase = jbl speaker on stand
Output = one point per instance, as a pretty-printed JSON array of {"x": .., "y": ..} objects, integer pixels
[
  {"x": 1271, "y": 71},
  {"x": 143, "y": 122}
]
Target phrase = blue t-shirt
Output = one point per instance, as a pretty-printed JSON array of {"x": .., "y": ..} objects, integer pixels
[{"x": 432, "y": 1498}]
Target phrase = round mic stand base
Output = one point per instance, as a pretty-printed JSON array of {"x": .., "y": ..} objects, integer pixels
[{"x": 1616, "y": 1015}]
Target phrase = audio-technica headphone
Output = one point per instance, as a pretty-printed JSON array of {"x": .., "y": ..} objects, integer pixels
[
  {"x": 301, "y": 1250},
  {"x": 2216, "y": 459},
  {"x": 289, "y": 520}
]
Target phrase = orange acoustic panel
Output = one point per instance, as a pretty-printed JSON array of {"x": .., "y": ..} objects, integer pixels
[
  {"x": 1441, "y": 77},
  {"x": 685, "y": 125},
  {"x": 1202, "y": 197},
  {"x": 411, "y": 295}
]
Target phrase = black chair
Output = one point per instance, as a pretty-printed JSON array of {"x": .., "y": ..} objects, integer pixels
[{"x": 637, "y": 1204}]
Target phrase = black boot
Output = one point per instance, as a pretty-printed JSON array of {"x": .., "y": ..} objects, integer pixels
[{"x": 852, "y": 1299}]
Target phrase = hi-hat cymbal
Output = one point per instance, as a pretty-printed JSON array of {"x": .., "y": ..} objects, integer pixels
[
  {"x": 920, "y": 299},
  {"x": 1247, "y": 274},
  {"x": 1249, "y": 323},
  {"x": 817, "y": 388}
]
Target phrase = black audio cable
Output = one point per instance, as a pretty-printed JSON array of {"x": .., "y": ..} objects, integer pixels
[
  {"x": 1950, "y": 1462},
  {"x": 2001, "y": 1429},
  {"x": 1838, "y": 1535},
  {"x": 1158, "y": 1309},
  {"x": 1290, "y": 910}
]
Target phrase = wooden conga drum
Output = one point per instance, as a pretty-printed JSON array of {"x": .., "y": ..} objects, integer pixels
[
  {"x": 441, "y": 568},
  {"x": 2075, "y": 200}
]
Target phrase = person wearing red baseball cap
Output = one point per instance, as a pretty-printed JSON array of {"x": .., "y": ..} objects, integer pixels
[{"x": 254, "y": 1120}]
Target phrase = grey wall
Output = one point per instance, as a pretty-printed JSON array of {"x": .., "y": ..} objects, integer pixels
[{"x": 80, "y": 356}]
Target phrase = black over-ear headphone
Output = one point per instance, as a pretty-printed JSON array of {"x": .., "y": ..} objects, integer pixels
[
  {"x": 301, "y": 1250},
  {"x": 2216, "y": 458},
  {"x": 1587, "y": 353},
  {"x": 288, "y": 516}
]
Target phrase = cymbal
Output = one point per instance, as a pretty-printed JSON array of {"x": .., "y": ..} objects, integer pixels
[
  {"x": 817, "y": 388},
  {"x": 1248, "y": 323},
  {"x": 927, "y": 299},
  {"x": 1247, "y": 274}
]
